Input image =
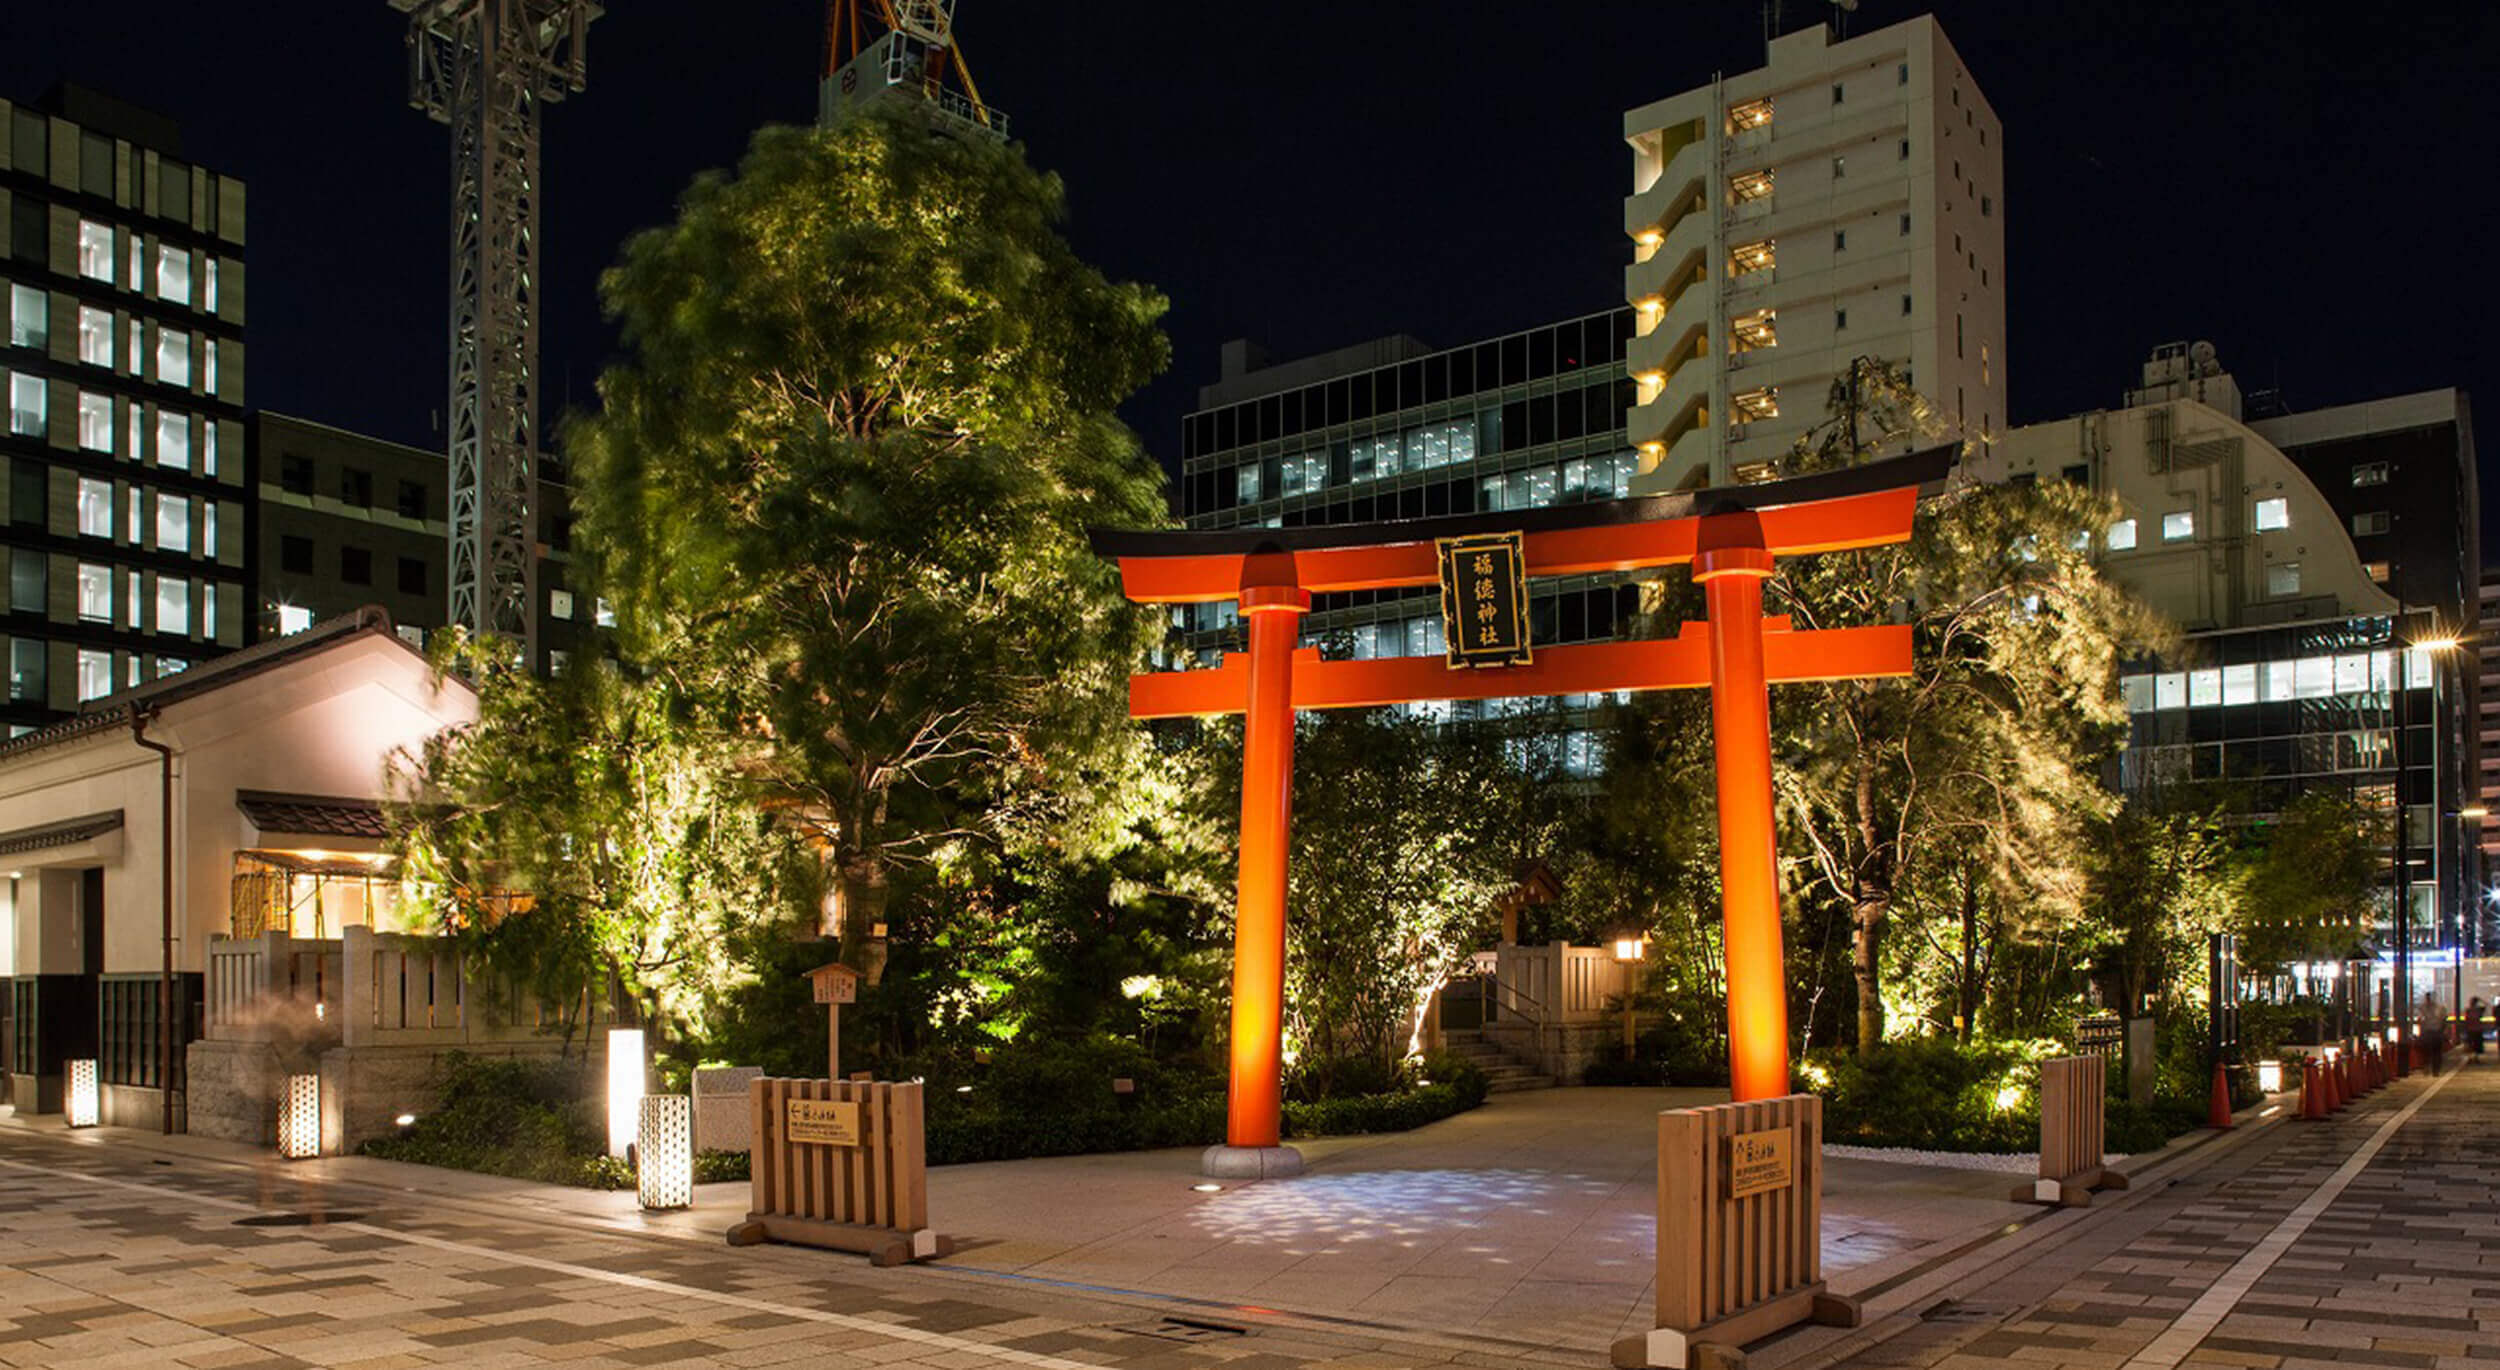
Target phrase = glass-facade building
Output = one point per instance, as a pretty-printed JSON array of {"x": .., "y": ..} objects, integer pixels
[
  {"x": 122, "y": 361},
  {"x": 1399, "y": 430}
]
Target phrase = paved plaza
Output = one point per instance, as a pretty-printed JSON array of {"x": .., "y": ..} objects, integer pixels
[{"x": 1512, "y": 1236}]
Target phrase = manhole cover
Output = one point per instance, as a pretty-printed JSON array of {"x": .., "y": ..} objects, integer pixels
[
  {"x": 1951, "y": 1311},
  {"x": 1184, "y": 1329},
  {"x": 297, "y": 1219}
]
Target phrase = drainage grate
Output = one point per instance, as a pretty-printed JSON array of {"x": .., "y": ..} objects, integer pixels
[
  {"x": 1954, "y": 1311},
  {"x": 297, "y": 1219},
  {"x": 1184, "y": 1329}
]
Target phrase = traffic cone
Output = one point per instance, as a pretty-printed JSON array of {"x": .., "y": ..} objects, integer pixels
[
  {"x": 2218, "y": 1110},
  {"x": 2333, "y": 1091},
  {"x": 2312, "y": 1090}
]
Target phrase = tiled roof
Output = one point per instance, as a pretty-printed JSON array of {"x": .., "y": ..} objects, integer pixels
[
  {"x": 317, "y": 815},
  {"x": 59, "y": 834}
]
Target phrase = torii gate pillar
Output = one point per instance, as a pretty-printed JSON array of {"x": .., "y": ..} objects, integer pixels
[
  {"x": 1254, "y": 1106},
  {"x": 1731, "y": 565}
]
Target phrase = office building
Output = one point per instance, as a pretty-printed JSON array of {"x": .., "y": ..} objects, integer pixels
[
  {"x": 1845, "y": 200},
  {"x": 123, "y": 363},
  {"x": 1394, "y": 429},
  {"x": 2299, "y": 666}
]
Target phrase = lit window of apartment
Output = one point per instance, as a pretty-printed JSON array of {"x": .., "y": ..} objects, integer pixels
[
  {"x": 173, "y": 523},
  {"x": 30, "y": 323},
  {"x": 173, "y": 604},
  {"x": 173, "y": 274},
  {"x": 560, "y": 604},
  {"x": 1246, "y": 483},
  {"x": 1758, "y": 329},
  {"x": 1758, "y": 404},
  {"x": 2122, "y": 536},
  {"x": 26, "y": 405},
  {"x": 602, "y": 614},
  {"x": 95, "y": 507},
  {"x": 95, "y": 674},
  {"x": 2274, "y": 515},
  {"x": 293, "y": 618},
  {"x": 1755, "y": 472},
  {"x": 2370, "y": 523},
  {"x": 208, "y": 529},
  {"x": 95, "y": 336},
  {"x": 173, "y": 356},
  {"x": 1751, "y": 114},
  {"x": 2283, "y": 578},
  {"x": 208, "y": 291},
  {"x": 95, "y": 593},
  {"x": 208, "y": 447},
  {"x": 2178, "y": 526},
  {"x": 95, "y": 251},
  {"x": 2377, "y": 571},
  {"x": 1748, "y": 258},
  {"x": 1304, "y": 474},
  {"x": 2369, "y": 473},
  {"x": 1751, "y": 187},
  {"x": 173, "y": 440},
  {"x": 95, "y": 421}
]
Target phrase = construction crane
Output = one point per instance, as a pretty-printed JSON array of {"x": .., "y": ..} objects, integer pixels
[
  {"x": 899, "y": 49},
  {"x": 485, "y": 67}
]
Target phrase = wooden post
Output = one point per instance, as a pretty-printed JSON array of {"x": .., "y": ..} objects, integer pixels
[
  {"x": 835, "y": 984},
  {"x": 2074, "y": 1099}
]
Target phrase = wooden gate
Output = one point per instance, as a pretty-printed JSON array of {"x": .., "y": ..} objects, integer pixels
[
  {"x": 840, "y": 1164},
  {"x": 2074, "y": 1112},
  {"x": 1740, "y": 1209}
]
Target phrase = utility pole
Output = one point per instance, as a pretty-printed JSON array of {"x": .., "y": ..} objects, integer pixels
[{"x": 485, "y": 67}]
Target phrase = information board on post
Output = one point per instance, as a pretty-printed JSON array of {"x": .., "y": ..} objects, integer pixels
[
  {"x": 1759, "y": 1162},
  {"x": 823, "y": 1122},
  {"x": 1484, "y": 600}
]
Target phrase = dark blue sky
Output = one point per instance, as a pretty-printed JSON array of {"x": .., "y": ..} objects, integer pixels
[{"x": 2306, "y": 185}]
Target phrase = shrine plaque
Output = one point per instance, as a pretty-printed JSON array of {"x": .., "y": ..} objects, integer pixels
[
  {"x": 825, "y": 1122},
  {"x": 837, "y": 989},
  {"x": 1759, "y": 1162},
  {"x": 1484, "y": 599}
]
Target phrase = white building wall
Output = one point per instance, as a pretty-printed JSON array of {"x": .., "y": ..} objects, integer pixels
[{"x": 1886, "y": 173}]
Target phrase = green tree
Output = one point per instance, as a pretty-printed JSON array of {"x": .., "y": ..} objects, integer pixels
[
  {"x": 1972, "y": 781},
  {"x": 591, "y": 833},
  {"x": 843, "y": 477},
  {"x": 2312, "y": 882}
]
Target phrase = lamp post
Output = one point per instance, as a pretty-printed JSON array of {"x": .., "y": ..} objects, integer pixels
[{"x": 1630, "y": 948}]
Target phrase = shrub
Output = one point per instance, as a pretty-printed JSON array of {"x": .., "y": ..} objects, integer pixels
[
  {"x": 714, "y": 1167},
  {"x": 522, "y": 1117},
  {"x": 1932, "y": 1094}
]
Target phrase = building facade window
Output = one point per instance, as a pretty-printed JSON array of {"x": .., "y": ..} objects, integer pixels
[
  {"x": 293, "y": 618},
  {"x": 355, "y": 488},
  {"x": 95, "y": 593},
  {"x": 2122, "y": 536},
  {"x": 28, "y": 671},
  {"x": 26, "y": 405},
  {"x": 173, "y": 605},
  {"x": 173, "y": 356},
  {"x": 2178, "y": 526},
  {"x": 95, "y": 674},
  {"x": 560, "y": 604},
  {"x": 95, "y": 251},
  {"x": 2370, "y": 523},
  {"x": 173, "y": 523},
  {"x": 173, "y": 440},
  {"x": 95, "y": 507},
  {"x": 95, "y": 335},
  {"x": 30, "y": 321},
  {"x": 2369, "y": 473},
  {"x": 95, "y": 421},
  {"x": 412, "y": 501},
  {"x": 30, "y": 581},
  {"x": 2274, "y": 515},
  {"x": 356, "y": 565},
  {"x": 295, "y": 474},
  {"x": 2283, "y": 578},
  {"x": 173, "y": 273}
]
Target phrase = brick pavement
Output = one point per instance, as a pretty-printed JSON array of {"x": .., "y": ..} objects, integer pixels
[
  {"x": 114, "y": 1259},
  {"x": 2244, "y": 1264}
]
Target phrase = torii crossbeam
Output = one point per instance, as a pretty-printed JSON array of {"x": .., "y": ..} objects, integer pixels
[{"x": 1730, "y": 536}]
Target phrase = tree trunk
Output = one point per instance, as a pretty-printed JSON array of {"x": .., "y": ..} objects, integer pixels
[
  {"x": 1967, "y": 991},
  {"x": 864, "y": 892},
  {"x": 1870, "y": 906}
]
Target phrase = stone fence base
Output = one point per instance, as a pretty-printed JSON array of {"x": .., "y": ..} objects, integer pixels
[
  {"x": 1560, "y": 1050},
  {"x": 236, "y": 1087}
]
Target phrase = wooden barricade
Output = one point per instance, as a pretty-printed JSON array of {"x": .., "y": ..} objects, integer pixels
[
  {"x": 2074, "y": 1116},
  {"x": 840, "y": 1164},
  {"x": 1740, "y": 1251}
]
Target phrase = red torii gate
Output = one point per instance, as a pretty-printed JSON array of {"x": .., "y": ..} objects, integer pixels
[{"x": 1729, "y": 535}]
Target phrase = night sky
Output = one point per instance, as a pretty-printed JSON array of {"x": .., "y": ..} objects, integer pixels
[{"x": 2307, "y": 188}]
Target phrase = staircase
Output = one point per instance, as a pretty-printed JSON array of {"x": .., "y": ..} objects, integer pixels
[{"x": 1505, "y": 1074}]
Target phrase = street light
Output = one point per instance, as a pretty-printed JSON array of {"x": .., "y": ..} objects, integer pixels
[{"x": 1630, "y": 948}]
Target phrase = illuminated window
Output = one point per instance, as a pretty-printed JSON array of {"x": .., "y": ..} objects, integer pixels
[
  {"x": 2274, "y": 514},
  {"x": 1751, "y": 187},
  {"x": 2239, "y": 684},
  {"x": 2369, "y": 473},
  {"x": 30, "y": 321},
  {"x": 95, "y": 507},
  {"x": 26, "y": 404},
  {"x": 1756, "y": 330},
  {"x": 173, "y": 523},
  {"x": 2283, "y": 578},
  {"x": 1751, "y": 114},
  {"x": 173, "y": 440},
  {"x": 1246, "y": 484},
  {"x": 95, "y": 422},
  {"x": 1752, "y": 257},
  {"x": 2377, "y": 571},
  {"x": 560, "y": 604},
  {"x": 173, "y": 604},
  {"x": 2204, "y": 688},
  {"x": 95, "y": 593},
  {"x": 2122, "y": 535},
  {"x": 1304, "y": 474},
  {"x": 95, "y": 251},
  {"x": 2179, "y": 526},
  {"x": 293, "y": 618},
  {"x": 2170, "y": 690},
  {"x": 173, "y": 356},
  {"x": 95, "y": 336},
  {"x": 173, "y": 274},
  {"x": 1758, "y": 404},
  {"x": 95, "y": 674}
]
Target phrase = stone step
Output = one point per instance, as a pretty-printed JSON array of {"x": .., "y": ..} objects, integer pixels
[{"x": 1514, "y": 1085}]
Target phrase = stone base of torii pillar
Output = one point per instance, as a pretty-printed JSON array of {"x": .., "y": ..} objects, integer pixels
[{"x": 1249, "y": 1162}]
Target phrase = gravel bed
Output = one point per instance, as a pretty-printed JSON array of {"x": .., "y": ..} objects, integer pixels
[{"x": 2010, "y": 1162}]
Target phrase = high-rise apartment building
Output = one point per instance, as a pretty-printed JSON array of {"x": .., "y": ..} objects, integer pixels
[
  {"x": 1845, "y": 200},
  {"x": 122, "y": 515}
]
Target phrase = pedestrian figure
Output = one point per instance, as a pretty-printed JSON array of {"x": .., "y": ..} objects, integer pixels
[
  {"x": 2431, "y": 1027},
  {"x": 2474, "y": 1027}
]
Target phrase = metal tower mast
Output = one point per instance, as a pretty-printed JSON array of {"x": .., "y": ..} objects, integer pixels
[{"x": 485, "y": 67}]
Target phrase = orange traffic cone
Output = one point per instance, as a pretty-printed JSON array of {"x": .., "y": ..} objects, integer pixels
[
  {"x": 2334, "y": 1091},
  {"x": 2312, "y": 1090},
  {"x": 2218, "y": 1109}
]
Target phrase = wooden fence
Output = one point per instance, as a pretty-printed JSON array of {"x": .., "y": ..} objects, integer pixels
[
  {"x": 840, "y": 1164},
  {"x": 1558, "y": 983},
  {"x": 2074, "y": 1112},
  {"x": 271, "y": 985},
  {"x": 367, "y": 988},
  {"x": 1740, "y": 1204}
]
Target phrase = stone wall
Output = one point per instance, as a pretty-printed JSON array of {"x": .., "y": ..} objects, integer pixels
[
  {"x": 236, "y": 1088},
  {"x": 1553, "y": 1049}
]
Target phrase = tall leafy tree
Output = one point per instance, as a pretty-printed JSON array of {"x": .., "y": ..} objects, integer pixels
[
  {"x": 1977, "y": 773},
  {"x": 843, "y": 475}
]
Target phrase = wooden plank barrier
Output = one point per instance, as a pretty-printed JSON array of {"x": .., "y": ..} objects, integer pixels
[
  {"x": 2074, "y": 1117},
  {"x": 1740, "y": 1218},
  {"x": 854, "y": 1177}
]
